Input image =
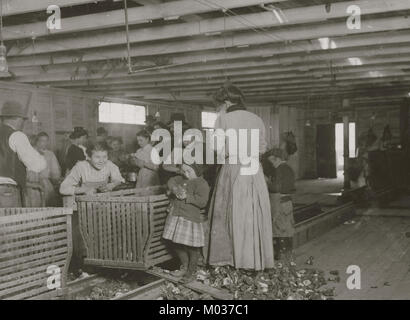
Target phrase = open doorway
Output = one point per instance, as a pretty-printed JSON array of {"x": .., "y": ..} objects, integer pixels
[{"x": 339, "y": 142}]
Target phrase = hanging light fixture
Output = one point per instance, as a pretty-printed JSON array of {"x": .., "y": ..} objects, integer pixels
[{"x": 4, "y": 68}]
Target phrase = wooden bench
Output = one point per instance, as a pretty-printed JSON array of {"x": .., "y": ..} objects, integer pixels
[
  {"x": 358, "y": 196},
  {"x": 305, "y": 212},
  {"x": 35, "y": 248},
  {"x": 317, "y": 225}
]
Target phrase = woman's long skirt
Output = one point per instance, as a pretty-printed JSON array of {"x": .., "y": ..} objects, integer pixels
[{"x": 240, "y": 225}]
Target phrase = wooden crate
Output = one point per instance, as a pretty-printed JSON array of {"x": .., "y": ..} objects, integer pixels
[
  {"x": 71, "y": 201},
  {"x": 123, "y": 229},
  {"x": 32, "y": 240}
]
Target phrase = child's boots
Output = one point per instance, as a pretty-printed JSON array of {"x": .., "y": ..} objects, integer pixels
[{"x": 184, "y": 258}]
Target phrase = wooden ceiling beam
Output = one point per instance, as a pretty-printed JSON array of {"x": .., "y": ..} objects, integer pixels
[
  {"x": 388, "y": 96},
  {"x": 318, "y": 94},
  {"x": 84, "y": 78},
  {"x": 210, "y": 26},
  {"x": 340, "y": 58},
  {"x": 115, "y": 18},
  {"x": 275, "y": 87},
  {"x": 243, "y": 76},
  {"x": 202, "y": 50},
  {"x": 257, "y": 82}
]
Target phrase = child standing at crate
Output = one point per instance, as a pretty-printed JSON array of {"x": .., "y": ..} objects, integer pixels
[
  {"x": 185, "y": 224},
  {"x": 281, "y": 184},
  {"x": 97, "y": 174}
]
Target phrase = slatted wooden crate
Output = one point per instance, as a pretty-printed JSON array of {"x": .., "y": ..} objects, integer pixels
[
  {"x": 124, "y": 229},
  {"x": 32, "y": 240}
]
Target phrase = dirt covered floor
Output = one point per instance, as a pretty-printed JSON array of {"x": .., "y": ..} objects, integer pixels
[{"x": 378, "y": 242}]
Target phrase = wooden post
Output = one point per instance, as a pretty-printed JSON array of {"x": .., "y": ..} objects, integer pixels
[
  {"x": 346, "y": 184},
  {"x": 404, "y": 122}
]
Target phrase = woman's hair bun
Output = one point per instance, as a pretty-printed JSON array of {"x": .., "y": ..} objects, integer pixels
[{"x": 229, "y": 92}]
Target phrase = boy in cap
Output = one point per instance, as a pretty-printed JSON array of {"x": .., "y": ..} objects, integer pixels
[
  {"x": 18, "y": 159},
  {"x": 281, "y": 184},
  {"x": 185, "y": 225}
]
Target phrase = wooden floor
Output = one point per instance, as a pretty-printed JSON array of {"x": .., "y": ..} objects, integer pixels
[{"x": 378, "y": 243}]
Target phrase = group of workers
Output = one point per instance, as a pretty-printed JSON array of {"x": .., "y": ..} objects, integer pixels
[{"x": 249, "y": 220}]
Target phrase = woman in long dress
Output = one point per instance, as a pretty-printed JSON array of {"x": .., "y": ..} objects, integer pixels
[
  {"x": 240, "y": 225},
  {"x": 144, "y": 160}
]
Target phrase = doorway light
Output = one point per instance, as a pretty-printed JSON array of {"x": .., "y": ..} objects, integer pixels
[
  {"x": 375, "y": 74},
  {"x": 326, "y": 43}
]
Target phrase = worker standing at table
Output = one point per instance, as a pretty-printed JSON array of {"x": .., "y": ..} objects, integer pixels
[
  {"x": 147, "y": 160},
  {"x": 19, "y": 161},
  {"x": 50, "y": 177},
  {"x": 239, "y": 215}
]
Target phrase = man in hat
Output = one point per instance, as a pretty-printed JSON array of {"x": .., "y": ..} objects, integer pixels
[{"x": 17, "y": 157}]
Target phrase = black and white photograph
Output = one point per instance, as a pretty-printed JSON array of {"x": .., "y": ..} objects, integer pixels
[{"x": 222, "y": 152}]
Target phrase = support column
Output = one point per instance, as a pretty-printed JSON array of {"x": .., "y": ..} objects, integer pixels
[
  {"x": 404, "y": 122},
  {"x": 346, "y": 184}
]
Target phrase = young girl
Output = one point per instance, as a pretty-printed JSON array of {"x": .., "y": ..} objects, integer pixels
[{"x": 185, "y": 223}]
